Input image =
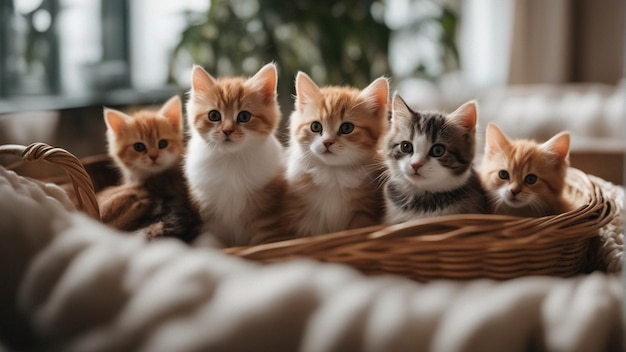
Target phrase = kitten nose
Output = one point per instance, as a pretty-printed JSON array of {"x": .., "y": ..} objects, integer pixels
[
  {"x": 515, "y": 191},
  {"x": 328, "y": 144},
  {"x": 154, "y": 157},
  {"x": 416, "y": 166},
  {"x": 227, "y": 132}
]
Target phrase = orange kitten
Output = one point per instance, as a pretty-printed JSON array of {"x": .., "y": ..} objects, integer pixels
[
  {"x": 523, "y": 177},
  {"x": 146, "y": 142},
  {"x": 334, "y": 163},
  {"x": 234, "y": 163},
  {"x": 147, "y": 147}
]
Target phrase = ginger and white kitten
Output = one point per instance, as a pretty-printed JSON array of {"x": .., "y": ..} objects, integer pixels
[
  {"x": 429, "y": 157},
  {"x": 147, "y": 147},
  {"x": 235, "y": 164},
  {"x": 334, "y": 164},
  {"x": 523, "y": 177}
]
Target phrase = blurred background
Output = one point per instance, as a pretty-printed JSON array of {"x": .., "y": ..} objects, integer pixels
[{"x": 536, "y": 67}]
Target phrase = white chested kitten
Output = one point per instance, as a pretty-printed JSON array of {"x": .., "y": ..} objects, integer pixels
[
  {"x": 234, "y": 163},
  {"x": 429, "y": 157},
  {"x": 334, "y": 163}
]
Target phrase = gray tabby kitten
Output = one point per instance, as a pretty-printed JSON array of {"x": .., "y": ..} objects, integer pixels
[{"x": 429, "y": 164}]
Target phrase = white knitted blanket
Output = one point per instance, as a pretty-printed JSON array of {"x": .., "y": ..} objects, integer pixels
[{"x": 72, "y": 284}]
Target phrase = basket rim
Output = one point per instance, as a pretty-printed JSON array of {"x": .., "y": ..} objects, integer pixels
[
  {"x": 73, "y": 167},
  {"x": 464, "y": 232},
  {"x": 454, "y": 246}
]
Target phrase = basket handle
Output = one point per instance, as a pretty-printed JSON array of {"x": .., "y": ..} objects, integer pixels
[{"x": 83, "y": 187}]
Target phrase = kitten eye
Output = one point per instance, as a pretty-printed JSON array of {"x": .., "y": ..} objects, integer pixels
[
  {"x": 530, "y": 179},
  {"x": 346, "y": 128},
  {"x": 406, "y": 147},
  {"x": 139, "y": 147},
  {"x": 437, "y": 150},
  {"x": 316, "y": 127},
  {"x": 163, "y": 144},
  {"x": 503, "y": 174},
  {"x": 244, "y": 116},
  {"x": 215, "y": 115}
]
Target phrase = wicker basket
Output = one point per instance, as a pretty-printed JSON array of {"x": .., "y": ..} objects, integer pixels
[
  {"x": 83, "y": 190},
  {"x": 454, "y": 247}
]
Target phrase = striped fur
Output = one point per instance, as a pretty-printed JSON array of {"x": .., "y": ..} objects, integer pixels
[{"x": 422, "y": 183}]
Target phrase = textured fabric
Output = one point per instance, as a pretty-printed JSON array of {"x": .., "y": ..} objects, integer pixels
[
  {"x": 72, "y": 284},
  {"x": 609, "y": 251}
]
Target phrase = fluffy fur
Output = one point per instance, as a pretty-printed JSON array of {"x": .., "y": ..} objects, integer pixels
[
  {"x": 235, "y": 164},
  {"x": 429, "y": 159},
  {"x": 333, "y": 163},
  {"x": 133, "y": 140},
  {"x": 523, "y": 177},
  {"x": 147, "y": 147}
]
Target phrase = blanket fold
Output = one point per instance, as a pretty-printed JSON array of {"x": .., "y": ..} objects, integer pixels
[{"x": 73, "y": 284}]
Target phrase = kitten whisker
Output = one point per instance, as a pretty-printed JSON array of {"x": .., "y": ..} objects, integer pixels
[
  {"x": 538, "y": 206},
  {"x": 154, "y": 200},
  {"x": 548, "y": 162},
  {"x": 442, "y": 189},
  {"x": 237, "y": 187},
  {"x": 383, "y": 177},
  {"x": 308, "y": 158},
  {"x": 334, "y": 192}
]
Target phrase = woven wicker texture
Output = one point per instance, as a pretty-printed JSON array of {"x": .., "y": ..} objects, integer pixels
[
  {"x": 81, "y": 182},
  {"x": 463, "y": 246},
  {"x": 607, "y": 253},
  {"x": 456, "y": 247}
]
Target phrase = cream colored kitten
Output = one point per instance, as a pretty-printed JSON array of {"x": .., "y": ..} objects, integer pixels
[
  {"x": 234, "y": 163},
  {"x": 334, "y": 164}
]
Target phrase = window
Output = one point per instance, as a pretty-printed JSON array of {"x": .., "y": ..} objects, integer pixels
[{"x": 72, "y": 53}]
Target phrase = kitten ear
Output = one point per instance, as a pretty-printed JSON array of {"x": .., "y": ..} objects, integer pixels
[
  {"x": 201, "y": 80},
  {"x": 173, "y": 112},
  {"x": 400, "y": 110},
  {"x": 466, "y": 115},
  {"x": 116, "y": 120},
  {"x": 306, "y": 90},
  {"x": 495, "y": 139},
  {"x": 265, "y": 81},
  {"x": 377, "y": 95},
  {"x": 558, "y": 145}
]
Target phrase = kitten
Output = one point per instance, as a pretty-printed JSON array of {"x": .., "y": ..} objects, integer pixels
[
  {"x": 147, "y": 147},
  {"x": 235, "y": 164},
  {"x": 523, "y": 177},
  {"x": 429, "y": 158},
  {"x": 334, "y": 164}
]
